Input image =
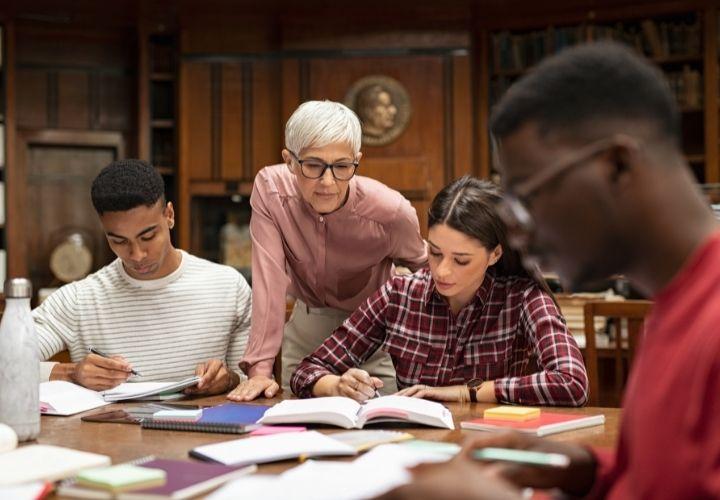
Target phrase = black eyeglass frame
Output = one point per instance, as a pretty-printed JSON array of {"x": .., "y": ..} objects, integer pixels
[{"x": 326, "y": 166}]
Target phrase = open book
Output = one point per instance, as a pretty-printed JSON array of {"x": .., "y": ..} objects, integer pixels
[
  {"x": 348, "y": 413},
  {"x": 148, "y": 390}
]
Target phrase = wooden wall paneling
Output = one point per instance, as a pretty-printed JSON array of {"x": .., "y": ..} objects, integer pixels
[
  {"x": 116, "y": 98},
  {"x": 14, "y": 231},
  {"x": 462, "y": 115},
  {"x": 289, "y": 90},
  {"x": 143, "y": 93},
  {"x": 195, "y": 145},
  {"x": 482, "y": 109},
  {"x": 32, "y": 98},
  {"x": 712, "y": 127},
  {"x": 73, "y": 100},
  {"x": 267, "y": 121},
  {"x": 196, "y": 119},
  {"x": 231, "y": 120}
]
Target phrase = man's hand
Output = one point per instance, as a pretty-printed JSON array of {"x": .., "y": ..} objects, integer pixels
[
  {"x": 449, "y": 393},
  {"x": 215, "y": 379},
  {"x": 253, "y": 388},
  {"x": 94, "y": 372},
  {"x": 577, "y": 479},
  {"x": 460, "y": 478}
]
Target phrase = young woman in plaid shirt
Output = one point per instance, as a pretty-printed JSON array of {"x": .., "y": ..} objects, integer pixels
[{"x": 474, "y": 326}]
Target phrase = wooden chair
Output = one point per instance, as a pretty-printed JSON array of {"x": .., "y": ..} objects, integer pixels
[{"x": 624, "y": 316}]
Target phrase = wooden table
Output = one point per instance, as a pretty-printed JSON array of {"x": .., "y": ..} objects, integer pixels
[{"x": 125, "y": 442}]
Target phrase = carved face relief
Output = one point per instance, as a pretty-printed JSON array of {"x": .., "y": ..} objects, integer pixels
[{"x": 383, "y": 106}]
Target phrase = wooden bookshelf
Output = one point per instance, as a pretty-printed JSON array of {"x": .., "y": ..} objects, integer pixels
[{"x": 682, "y": 42}]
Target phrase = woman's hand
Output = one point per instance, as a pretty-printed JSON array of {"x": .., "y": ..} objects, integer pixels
[
  {"x": 254, "y": 387},
  {"x": 449, "y": 393},
  {"x": 354, "y": 383}
]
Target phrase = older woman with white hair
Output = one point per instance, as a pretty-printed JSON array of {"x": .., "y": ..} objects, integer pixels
[{"x": 324, "y": 235}]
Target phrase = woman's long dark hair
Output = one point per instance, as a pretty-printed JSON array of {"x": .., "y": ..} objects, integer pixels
[{"x": 468, "y": 205}]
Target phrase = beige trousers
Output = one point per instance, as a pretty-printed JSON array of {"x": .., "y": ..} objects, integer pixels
[{"x": 307, "y": 328}]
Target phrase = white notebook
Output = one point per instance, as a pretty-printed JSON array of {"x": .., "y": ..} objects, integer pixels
[
  {"x": 263, "y": 449},
  {"x": 147, "y": 390},
  {"x": 348, "y": 413},
  {"x": 58, "y": 397},
  {"x": 44, "y": 462}
]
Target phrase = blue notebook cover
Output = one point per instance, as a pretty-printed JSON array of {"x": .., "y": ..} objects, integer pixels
[{"x": 233, "y": 413}]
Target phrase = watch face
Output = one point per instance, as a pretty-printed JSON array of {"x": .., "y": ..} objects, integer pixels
[
  {"x": 70, "y": 261},
  {"x": 476, "y": 382}
]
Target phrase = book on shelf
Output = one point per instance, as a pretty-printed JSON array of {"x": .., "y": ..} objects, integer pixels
[{"x": 349, "y": 414}]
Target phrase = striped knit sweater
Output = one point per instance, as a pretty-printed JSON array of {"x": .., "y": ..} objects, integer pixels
[{"x": 163, "y": 327}]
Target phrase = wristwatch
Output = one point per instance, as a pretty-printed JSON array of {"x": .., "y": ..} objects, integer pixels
[{"x": 473, "y": 385}]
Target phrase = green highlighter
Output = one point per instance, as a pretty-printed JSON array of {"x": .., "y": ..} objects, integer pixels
[{"x": 535, "y": 458}]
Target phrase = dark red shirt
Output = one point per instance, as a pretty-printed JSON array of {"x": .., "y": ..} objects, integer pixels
[
  {"x": 670, "y": 435},
  {"x": 508, "y": 323}
]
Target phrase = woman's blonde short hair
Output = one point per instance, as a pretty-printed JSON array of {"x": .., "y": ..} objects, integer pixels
[{"x": 319, "y": 123}]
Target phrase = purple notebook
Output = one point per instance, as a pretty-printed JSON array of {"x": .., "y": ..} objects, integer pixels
[
  {"x": 186, "y": 479},
  {"x": 183, "y": 480}
]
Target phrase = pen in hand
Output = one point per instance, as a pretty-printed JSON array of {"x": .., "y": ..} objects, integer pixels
[
  {"x": 355, "y": 363},
  {"x": 100, "y": 353}
]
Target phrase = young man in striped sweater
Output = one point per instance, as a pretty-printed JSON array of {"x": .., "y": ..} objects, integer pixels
[{"x": 156, "y": 309}]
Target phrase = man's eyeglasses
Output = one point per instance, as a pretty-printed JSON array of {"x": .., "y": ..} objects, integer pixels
[
  {"x": 512, "y": 207},
  {"x": 313, "y": 168}
]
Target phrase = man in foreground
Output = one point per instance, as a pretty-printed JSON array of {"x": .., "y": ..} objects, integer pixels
[{"x": 588, "y": 144}]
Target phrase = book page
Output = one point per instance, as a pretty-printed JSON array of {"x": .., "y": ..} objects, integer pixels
[
  {"x": 66, "y": 398},
  {"x": 338, "y": 411},
  {"x": 404, "y": 408}
]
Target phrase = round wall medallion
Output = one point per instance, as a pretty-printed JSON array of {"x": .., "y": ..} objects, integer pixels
[{"x": 383, "y": 106}]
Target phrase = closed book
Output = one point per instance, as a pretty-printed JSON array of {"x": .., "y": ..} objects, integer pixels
[
  {"x": 547, "y": 423},
  {"x": 184, "y": 479}
]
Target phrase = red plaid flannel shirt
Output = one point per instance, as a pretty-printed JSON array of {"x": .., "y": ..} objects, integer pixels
[{"x": 509, "y": 322}]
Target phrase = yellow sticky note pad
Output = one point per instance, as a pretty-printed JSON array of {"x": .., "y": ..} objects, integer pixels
[{"x": 514, "y": 413}]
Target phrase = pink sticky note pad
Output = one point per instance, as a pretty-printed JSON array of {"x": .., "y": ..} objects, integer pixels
[{"x": 276, "y": 429}]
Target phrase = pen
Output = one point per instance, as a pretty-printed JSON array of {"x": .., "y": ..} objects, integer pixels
[
  {"x": 526, "y": 457},
  {"x": 100, "y": 353},
  {"x": 354, "y": 362}
]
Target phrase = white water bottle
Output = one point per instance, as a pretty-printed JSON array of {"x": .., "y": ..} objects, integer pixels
[{"x": 19, "y": 362}]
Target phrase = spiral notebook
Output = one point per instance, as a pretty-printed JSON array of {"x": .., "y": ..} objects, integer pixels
[{"x": 229, "y": 418}]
